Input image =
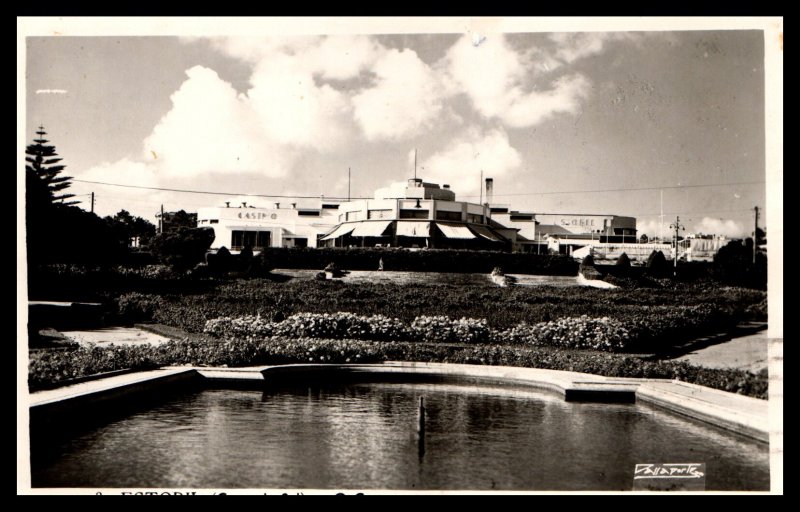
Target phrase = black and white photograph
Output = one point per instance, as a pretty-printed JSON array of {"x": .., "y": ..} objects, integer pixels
[{"x": 399, "y": 255}]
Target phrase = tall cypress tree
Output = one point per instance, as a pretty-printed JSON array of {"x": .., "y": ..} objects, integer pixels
[{"x": 42, "y": 173}]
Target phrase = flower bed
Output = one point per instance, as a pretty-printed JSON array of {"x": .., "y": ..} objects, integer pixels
[{"x": 47, "y": 368}]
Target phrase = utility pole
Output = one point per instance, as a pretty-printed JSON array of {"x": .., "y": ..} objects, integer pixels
[
  {"x": 755, "y": 237},
  {"x": 415, "y": 167},
  {"x": 93, "y": 203},
  {"x": 480, "y": 201},
  {"x": 348, "y": 184},
  {"x": 161, "y": 221},
  {"x": 677, "y": 227}
]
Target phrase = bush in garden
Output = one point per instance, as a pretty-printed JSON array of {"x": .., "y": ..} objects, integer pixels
[
  {"x": 182, "y": 248},
  {"x": 51, "y": 368},
  {"x": 623, "y": 260},
  {"x": 221, "y": 262},
  {"x": 657, "y": 265}
]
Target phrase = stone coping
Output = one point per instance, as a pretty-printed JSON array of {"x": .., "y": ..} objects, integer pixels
[{"x": 745, "y": 415}]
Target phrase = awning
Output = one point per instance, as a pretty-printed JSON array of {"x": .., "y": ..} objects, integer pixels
[
  {"x": 412, "y": 228},
  {"x": 455, "y": 230},
  {"x": 486, "y": 233},
  {"x": 340, "y": 230},
  {"x": 375, "y": 228}
]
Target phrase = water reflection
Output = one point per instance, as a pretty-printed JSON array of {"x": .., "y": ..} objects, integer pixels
[{"x": 352, "y": 436}]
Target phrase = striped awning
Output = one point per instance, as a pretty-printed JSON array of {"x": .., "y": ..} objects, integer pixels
[
  {"x": 340, "y": 230},
  {"x": 413, "y": 228},
  {"x": 486, "y": 233},
  {"x": 455, "y": 230},
  {"x": 374, "y": 228}
]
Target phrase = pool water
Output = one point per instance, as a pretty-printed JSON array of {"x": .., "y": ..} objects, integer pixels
[{"x": 364, "y": 436}]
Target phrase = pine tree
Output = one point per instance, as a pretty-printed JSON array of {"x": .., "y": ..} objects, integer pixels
[{"x": 42, "y": 173}]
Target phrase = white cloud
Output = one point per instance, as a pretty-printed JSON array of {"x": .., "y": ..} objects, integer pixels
[
  {"x": 460, "y": 164},
  {"x": 51, "y": 91},
  {"x": 577, "y": 45},
  {"x": 293, "y": 110},
  {"x": 651, "y": 228},
  {"x": 212, "y": 129},
  {"x": 712, "y": 226},
  {"x": 405, "y": 100},
  {"x": 534, "y": 107},
  {"x": 485, "y": 72},
  {"x": 494, "y": 77}
]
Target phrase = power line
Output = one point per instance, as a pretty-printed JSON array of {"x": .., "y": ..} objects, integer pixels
[
  {"x": 184, "y": 191},
  {"x": 629, "y": 189}
]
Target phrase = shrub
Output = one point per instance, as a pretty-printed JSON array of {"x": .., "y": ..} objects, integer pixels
[
  {"x": 49, "y": 368},
  {"x": 183, "y": 247},
  {"x": 657, "y": 265},
  {"x": 623, "y": 260}
]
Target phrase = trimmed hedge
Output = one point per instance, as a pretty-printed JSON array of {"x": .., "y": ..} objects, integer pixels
[
  {"x": 428, "y": 260},
  {"x": 48, "y": 368},
  {"x": 656, "y": 316}
]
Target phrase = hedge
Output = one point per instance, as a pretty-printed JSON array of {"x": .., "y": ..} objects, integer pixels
[
  {"x": 49, "y": 368},
  {"x": 428, "y": 260}
]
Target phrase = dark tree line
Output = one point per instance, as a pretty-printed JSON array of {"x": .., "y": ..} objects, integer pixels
[{"x": 57, "y": 231}]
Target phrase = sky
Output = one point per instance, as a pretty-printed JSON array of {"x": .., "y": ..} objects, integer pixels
[{"x": 580, "y": 122}]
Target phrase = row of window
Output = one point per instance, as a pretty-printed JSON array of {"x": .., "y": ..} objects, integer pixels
[{"x": 411, "y": 213}]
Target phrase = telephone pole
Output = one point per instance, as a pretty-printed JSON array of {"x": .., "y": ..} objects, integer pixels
[
  {"x": 161, "y": 221},
  {"x": 93, "y": 203},
  {"x": 755, "y": 238},
  {"x": 677, "y": 226}
]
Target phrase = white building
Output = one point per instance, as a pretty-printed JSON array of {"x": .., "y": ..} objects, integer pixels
[{"x": 283, "y": 225}]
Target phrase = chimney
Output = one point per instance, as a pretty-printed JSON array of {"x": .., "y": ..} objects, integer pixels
[
  {"x": 227, "y": 204},
  {"x": 277, "y": 205},
  {"x": 244, "y": 205},
  {"x": 294, "y": 206},
  {"x": 489, "y": 190}
]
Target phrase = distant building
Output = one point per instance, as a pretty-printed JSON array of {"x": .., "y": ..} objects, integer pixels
[
  {"x": 283, "y": 225},
  {"x": 414, "y": 214}
]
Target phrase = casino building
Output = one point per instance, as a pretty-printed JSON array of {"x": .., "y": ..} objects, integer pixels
[{"x": 413, "y": 214}]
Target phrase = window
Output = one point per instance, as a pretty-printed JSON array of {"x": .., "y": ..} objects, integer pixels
[
  {"x": 414, "y": 214},
  {"x": 521, "y": 217},
  {"x": 214, "y": 221},
  {"x": 379, "y": 214},
  {"x": 255, "y": 239},
  {"x": 456, "y": 216},
  {"x": 330, "y": 206},
  {"x": 301, "y": 242},
  {"x": 475, "y": 219},
  {"x": 353, "y": 215},
  {"x": 308, "y": 213}
]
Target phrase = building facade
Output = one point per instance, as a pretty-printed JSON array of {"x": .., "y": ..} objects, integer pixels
[
  {"x": 283, "y": 225},
  {"x": 415, "y": 214}
]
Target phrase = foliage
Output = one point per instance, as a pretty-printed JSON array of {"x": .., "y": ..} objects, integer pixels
[
  {"x": 623, "y": 260},
  {"x": 125, "y": 226},
  {"x": 42, "y": 173},
  {"x": 428, "y": 260},
  {"x": 657, "y": 265},
  {"x": 48, "y": 368},
  {"x": 184, "y": 247},
  {"x": 733, "y": 264}
]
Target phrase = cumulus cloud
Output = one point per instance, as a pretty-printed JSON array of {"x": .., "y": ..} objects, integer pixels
[
  {"x": 294, "y": 111},
  {"x": 494, "y": 76},
  {"x": 712, "y": 226},
  {"x": 212, "y": 129},
  {"x": 460, "y": 163},
  {"x": 405, "y": 100},
  {"x": 651, "y": 228}
]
